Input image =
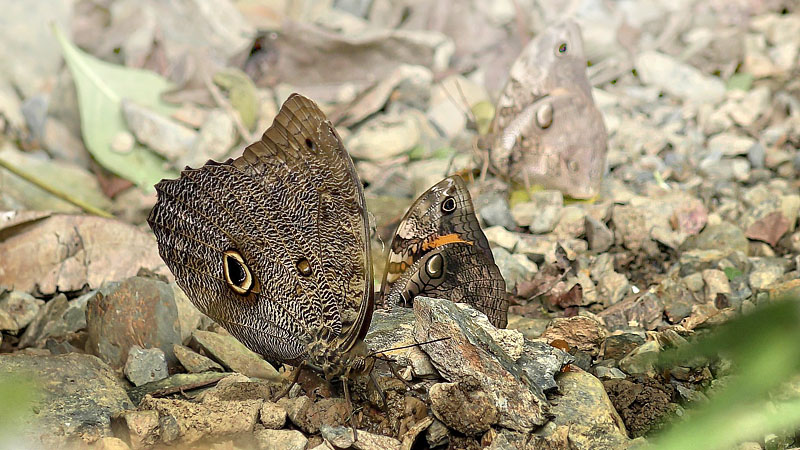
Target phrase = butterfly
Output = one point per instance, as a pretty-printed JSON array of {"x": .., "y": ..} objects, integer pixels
[
  {"x": 547, "y": 128},
  {"x": 439, "y": 250},
  {"x": 274, "y": 245}
]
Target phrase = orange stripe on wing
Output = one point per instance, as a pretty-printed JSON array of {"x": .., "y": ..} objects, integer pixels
[{"x": 442, "y": 240}]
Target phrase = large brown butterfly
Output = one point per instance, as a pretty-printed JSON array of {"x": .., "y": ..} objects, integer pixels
[
  {"x": 274, "y": 245},
  {"x": 547, "y": 128},
  {"x": 439, "y": 250}
]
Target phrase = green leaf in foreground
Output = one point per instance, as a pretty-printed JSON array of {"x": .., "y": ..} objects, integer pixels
[
  {"x": 101, "y": 87},
  {"x": 761, "y": 398}
]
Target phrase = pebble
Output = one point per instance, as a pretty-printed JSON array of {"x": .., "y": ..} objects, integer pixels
[
  {"x": 145, "y": 365},
  {"x": 194, "y": 362},
  {"x": 17, "y": 310},
  {"x": 678, "y": 79},
  {"x": 281, "y": 439},
  {"x": 272, "y": 415},
  {"x": 233, "y": 355}
]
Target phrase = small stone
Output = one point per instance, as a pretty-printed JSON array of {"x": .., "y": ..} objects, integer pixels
[
  {"x": 233, "y": 355},
  {"x": 272, "y": 415},
  {"x": 17, "y": 310},
  {"x": 189, "y": 316},
  {"x": 612, "y": 287},
  {"x": 122, "y": 142},
  {"x": 280, "y": 439},
  {"x": 599, "y": 237},
  {"x": 140, "y": 428},
  {"x": 694, "y": 282},
  {"x": 724, "y": 237},
  {"x": 309, "y": 416},
  {"x": 716, "y": 282},
  {"x": 617, "y": 346},
  {"x": 677, "y": 78},
  {"x": 463, "y": 408},
  {"x": 515, "y": 268},
  {"x": 571, "y": 221},
  {"x": 57, "y": 318},
  {"x": 609, "y": 373},
  {"x": 145, "y": 365},
  {"x": 730, "y": 144},
  {"x": 194, "y": 362},
  {"x": 645, "y": 311},
  {"x": 437, "y": 434},
  {"x": 159, "y": 133},
  {"x": 641, "y": 360},
  {"x": 765, "y": 272},
  {"x": 384, "y": 136},
  {"x": 580, "y": 332},
  {"x": 214, "y": 140},
  {"x": 585, "y": 408}
]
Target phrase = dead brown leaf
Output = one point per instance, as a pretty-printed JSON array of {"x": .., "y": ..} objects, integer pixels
[{"x": 769, "y": 228}]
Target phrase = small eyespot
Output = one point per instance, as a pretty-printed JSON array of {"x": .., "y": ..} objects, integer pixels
[
  {"x": 304, "y": 267},
  {"x": 237, "y": 274},
  {"x": 434, "y": 267},
  {"x": 573, "y": 165},
  {"x": 311, "y": 145},
  {"x": 562, "y": 48},
  {"x": 544, "y": 116},
  {"x": 448, "y": 205}
]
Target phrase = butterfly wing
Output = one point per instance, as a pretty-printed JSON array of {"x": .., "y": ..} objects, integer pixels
[
  {"x": 441, "y": 217},
  {"x": 274, "y": 245},
  {"x": 460, "y": 272}
]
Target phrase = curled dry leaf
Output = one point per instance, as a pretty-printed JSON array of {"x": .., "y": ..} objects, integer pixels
[{"x": 64, "y": 253}]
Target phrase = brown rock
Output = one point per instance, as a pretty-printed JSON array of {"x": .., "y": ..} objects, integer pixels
[
  {"x": 463, "y": 407},
  {"x": 138, "y": 311},
  {"x": 140, "y": 428},
  {"x": 194, "y": 362},
  {"x": 309, "y": 416},
  {"x": 768, "y": 229},
  {"x": 272, "y": 415},
  {"x": 234, "y": 355},
  {"x": 584, "y": 333},
  {"x": 644, "y": 404},
  {"x": 646, "y": 311},
  {"x": 197, "y": 420}
]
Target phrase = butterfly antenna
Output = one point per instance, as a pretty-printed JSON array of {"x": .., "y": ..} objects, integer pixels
[{"x": 407, "y": 346}]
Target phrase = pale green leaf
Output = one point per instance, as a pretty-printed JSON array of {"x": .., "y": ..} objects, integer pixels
[
  {"x": 242, "y": 93},
  {"x": 101, "y": 87}
]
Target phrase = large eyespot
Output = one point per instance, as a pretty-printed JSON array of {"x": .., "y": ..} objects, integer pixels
[
  {"x": 237, "y": 274},
  {"x": 448, "y": 205},
  {"x": 303, "y": 267},
  {"x": 434, "y": 266},
  {"x": 562, "y": 48}
]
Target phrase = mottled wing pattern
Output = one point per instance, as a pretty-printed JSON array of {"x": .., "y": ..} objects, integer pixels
[
  {"x": 293, "y": 208},
  {"x": 442, "y": 221},
  {"x": 467, "y": 276},
  {"x": 547, "y": 128},
  {"x": 426, "y": 226}
]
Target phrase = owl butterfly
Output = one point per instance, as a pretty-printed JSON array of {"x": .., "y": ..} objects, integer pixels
[
  {"x": 439, "y": 250},
  {"x": 274, "y": 245},
  {"x": 546, "y": 128}
]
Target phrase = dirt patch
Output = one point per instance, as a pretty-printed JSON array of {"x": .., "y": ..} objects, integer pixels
[{"x": 644, "y": 404}]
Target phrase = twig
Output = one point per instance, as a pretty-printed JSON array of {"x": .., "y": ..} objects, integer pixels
[
  {"x": 55, "y": 192},
  {"x": 226, "y": 105}
]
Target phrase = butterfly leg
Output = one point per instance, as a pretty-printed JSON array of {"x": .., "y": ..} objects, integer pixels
[
  {"x": 381, "y": 394},
  {"x": 295, "y": 377},
  {"x": 352, "y": 410}
]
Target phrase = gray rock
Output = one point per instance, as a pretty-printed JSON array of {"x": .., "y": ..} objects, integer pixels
[
  {"x": 189, "y": 316},
  {"x": 641, "y": 359},
  {"x": 175, "y": 383},
  {"x": 145, "y": 365},
  {"x": 491, "y": 205},
  {"x": 194, "y": 362},
  {"x": 281, "y": 440},
  {"x": 579, "y": 332},
  {"x": 140, "y": 428},
  {"x": 437, "y": 434},
  {"x": 541, "y": 362},
  {"x": 617, "y": 346},
  {"x": 233, "y": 355},
  {"x": 138, "y": 311},
  {"x": 78, "y": 395},
  {"x": 611, "y": 287},
  {"x": 17, "y": 310},
  {"x": 645, "y": 311},
  {"x": 499, "y": 377},
  {"x": 393, "y": 329},
  {"x": 57, "y": 318},
  {"x": 724, "y": 238},
  {"x": 716, "y": 282},
  {"x": 515, "y": 268},
  {"x": 609, "y": 373},
  {"x": 677, "y": 78},
  {"x": 599, "y": 237},
  {"x": 214, "y": 140},
  {"x": 384, "y": 136},
  {"x": 159, "y": 133},
  {"x": 587, "y": 413},
  {"x": 312, "y": 416},
  {"x": 342, "y": 437}
]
